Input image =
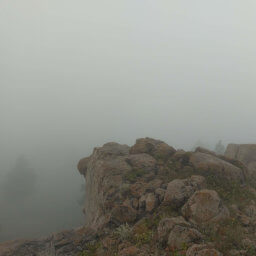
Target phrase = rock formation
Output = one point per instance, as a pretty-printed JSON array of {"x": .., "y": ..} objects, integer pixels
[{"x": 150, "y": 199}]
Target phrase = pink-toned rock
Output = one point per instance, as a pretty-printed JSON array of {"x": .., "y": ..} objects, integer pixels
[
  {"x": 202, "y": 250},
  {"x": 142, "y": 161},
  {"x": 246, "y": 153},
  {"x": 151, "y": 202},
  {"x": 178, "y": 191},
  {"x": 177, "y": 232},
  {"x": 181, "y": 235},
  {"x": 167, "y": 224},
  {"x": 205, "y": 206},
  {"x": 82, "y": 165},
  {"x": 153, "y": 147},
  {"x": 106, "y": 168},
  {"x": 213, "y": 165}
]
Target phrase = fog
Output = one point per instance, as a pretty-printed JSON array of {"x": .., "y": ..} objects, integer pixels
[{"x": 77, "y": 74}]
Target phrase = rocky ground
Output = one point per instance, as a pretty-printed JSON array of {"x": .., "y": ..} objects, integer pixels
[{"x": 150, "y": 199}]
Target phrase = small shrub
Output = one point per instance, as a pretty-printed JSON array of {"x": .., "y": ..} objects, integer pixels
[
  {"x": 143, "y": 238},
  {"x": 143, "y": 232},
  {"x": 251, "y": 251},
  {"x": 123, "y": 232}
]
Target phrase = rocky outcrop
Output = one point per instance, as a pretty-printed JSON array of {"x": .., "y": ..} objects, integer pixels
[
  {"x": 246, "y": 153},
  {"x": 150, "y": 199},
  {"x": 108, "y": 169}
]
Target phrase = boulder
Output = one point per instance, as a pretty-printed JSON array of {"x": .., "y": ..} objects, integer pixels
[
  {"x": 142, "y": 161},
  {"x": 148, "y": 202},
  {"x": 151, "y": 202},
  {"x": 204, "y": 207},
  {"x": 82, "y": 165},
  {"x": 179, "y": 190},
  {"x": 167, "y": 224},
  {"x": 140, "y": 188},
  {"x": 215, "y": 166},
  {"x": 180, "y": 236},
  {"x": 112, "y": 149},
  {"x": 123, "y": 214},
  {"x": 176, "y": 232},
  {"x": 202, "y": 250},
  {"x": 246, "y": 153},
  {"x": 155, "y": 148},
  {"x": 206, "y": 151}
]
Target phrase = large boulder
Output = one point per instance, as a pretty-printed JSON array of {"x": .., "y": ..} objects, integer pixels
[
  {"x": 179, "y": 190},
  {"x": 180, "y": 236},
  {"x": 205, "y": 206},
  {"x": 176, "y": 232},
  {"x": 213, "y": 165},
  {"x": 167, "y": 224},
  {"x": 246, "y": 153},
  {"x": 155, "y": 148},
  {"x": 151, "y": 202},
  {"x": 142, "y": 161},
  {"x": 205, "y": 150},
  {"x": 202, "y": 250}
]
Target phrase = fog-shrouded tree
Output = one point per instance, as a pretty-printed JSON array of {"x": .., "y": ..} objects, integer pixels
[
  {"x": 20, "y": 182},
  {"x": 220, "y": 148}
]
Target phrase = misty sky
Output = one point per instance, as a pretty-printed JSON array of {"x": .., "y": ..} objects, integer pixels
[{"x": 77, "y": 74}]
